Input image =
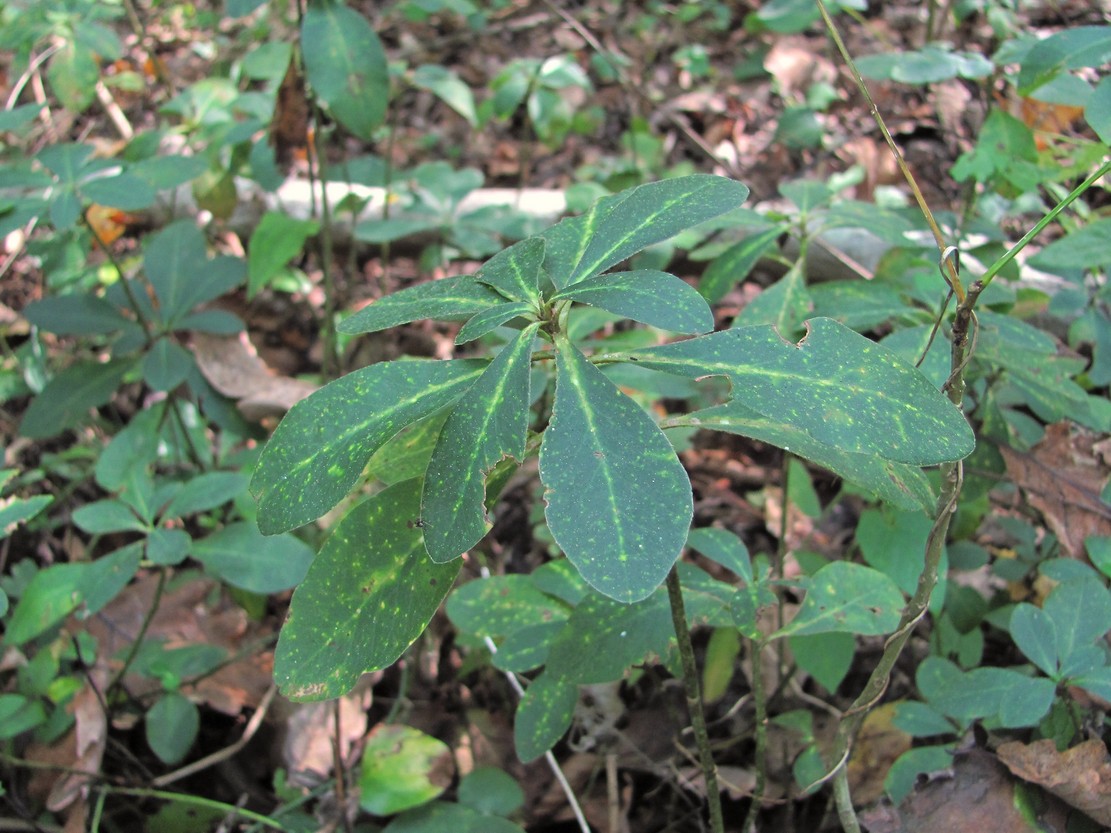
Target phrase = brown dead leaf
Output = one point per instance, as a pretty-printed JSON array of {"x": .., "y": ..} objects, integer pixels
[
  {"x": 795, "y": 67},
  {"x": 1081, "y": 776},
  {"x": 232, "y": 366},
  {"x": 980, "y": 796},
  {"x": 289, "y": 129},
  {"x": 877, "y": 747},
  {"x": 196, "y": 612},
  {"x": 308, "y": 750},
  {"x": 1063, "y": 476}
]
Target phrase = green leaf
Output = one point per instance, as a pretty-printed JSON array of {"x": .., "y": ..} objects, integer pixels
[
  {"x": 1073, "y": 48},
  {"x": 243, "y": 557},
  {"x": 920, "y": 720},
  {"x": 178, "y": 267},
  {"x": 402, "y": 768},
  {"x": 847, "y": 598},
  {"x": 544, "y": 715},
  {"x": 603, "y": 637},
  {"x": 14, "y": 511},
  {"x": 80, "y": 314},
  {"x": 619, "y": 226},
  {"x": 19, "y": 714},
  {"x": 1085, "y": 248},
  {"x": 449, "y": 299},
  {"x": 56, "y": 592},
  {"x": 785, "y": 304},
  {"x": 491, "y": 791},
  {"x": 346, "y": 66},
  {"x": 368, "y": 595},
  {"x": 73, "y": 74},
  {"x": 734, "y": 264},
  {"x": 487, "y": 424},
  {"x": 275, "y": 241},
  {"x": 515, "y": 272},
  {"x": 449, "y": 88},
  {"x": 406, "y": 455},
  {"x": 894, "y": 542},
  {"x": 205, "y": 491},
  {"x": 723, "y": 547},
  {"x": 68, "y": 397},
  {"x": 501, "y": 605},
  {"x": 901, "y": 778},
  {"x": 319, "y": 450},
  {"x": 1026, "y": 701},
  {"x": 824, "y": 656},
  {"x": 1035, "y": 635},
  {"x": 105, "y": 516},
  {"x": 439, "y": 816},
  {"x": 618, "y": 501},
  {"x": 488, "y": 320},
  {"x": 837, "y": 386},
  {"x": 123, "y": 190},
  {"x": 1098, "y": 110},
  {"x": 166, "y": 364},
  {"x": 1081, "y": 614},
  {"x": 655, "y": 298},
  {"x": 171, "y": 727},
  {"x": 168, "y": 547}
]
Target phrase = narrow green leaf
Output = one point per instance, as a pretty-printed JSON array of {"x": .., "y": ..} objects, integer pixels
[
  {"x": 544, "y": 715},
  {"x": 321, "y": 447},
  {"x": 14, "y": 511},
  {"x": 368, "y": 595},
  {"x": 346, "y": 66},
  {"x": 181, "y": 273},
  {"x": 79, "y": 314},
  {"x": 734, "y": 264},
  {"x": 276, "y": 239},
  {"x": 515, "y": 272},
  {"x": 618, "y": 501},
  {"x": 449, "y": 299},
  {"x": 847, "y": 598},
  {"x": 619, "y": 226},
  {"x": 243, "y": 557},
  {"x": 105, "y": 516},
  {"x": 657, "y": 299},
  {"x": 488, "y": 320},
  {"x": 68, "y": 397},
  {"x": 489, "y": 423},
  {"x": 123, "y": 190},
  {"x": 836, "y": 385},
  {"x": 73, "y": 73},
  {"x": 1098, "y": 110},
  {"x": 899, "y": 484}
]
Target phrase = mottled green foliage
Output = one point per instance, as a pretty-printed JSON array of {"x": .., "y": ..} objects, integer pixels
[
  {"x": 370, "y": 592},
  {"x": 322, "y": 445},
  {"x": 658, "y": 299},
  {"x": 618, "y": 500},
  {"x": 544, "y": 715},
  {"x": 848, "y": 598},
  {"x": 451, "y": 298},
  {"x": 487, "y": 424},
  {"x": 837, "y": 386}
]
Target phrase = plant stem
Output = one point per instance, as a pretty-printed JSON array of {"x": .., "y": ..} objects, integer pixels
[
  {"x": 694, "y": 700},
  {"x": 954, "y": 279},
  {"x": 198, "y": 801},
  {"x": 760, "y": 701},
  {"x": 996, "y": 267}
]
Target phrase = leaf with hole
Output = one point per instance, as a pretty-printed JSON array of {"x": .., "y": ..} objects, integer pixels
[{"x": 835, "y": 385}]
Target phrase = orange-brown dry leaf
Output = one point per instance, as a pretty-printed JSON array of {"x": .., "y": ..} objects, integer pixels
[
  {"x": 108, "y": 223},
  {"x": 197, "y": 612},
  {"x": 289, "y": 129},
  {"x": 232, "y": 366},
  {"x": 309, "y": 747},
  {"x": 1062, "y": 477},
  {"x": 1081, "y": 776},
  {"x": 877, "y": 747}
]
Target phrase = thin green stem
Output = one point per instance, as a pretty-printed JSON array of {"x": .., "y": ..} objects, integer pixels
[
  {"x": 954, "y": 279},
  {"x": 1050, "y": 216},
  {"x": 694, "y": 700},
  {"x": 760, "y": 733},
  {"x": 137, "y": 642},
  {"x": 196, "y": 800}
]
